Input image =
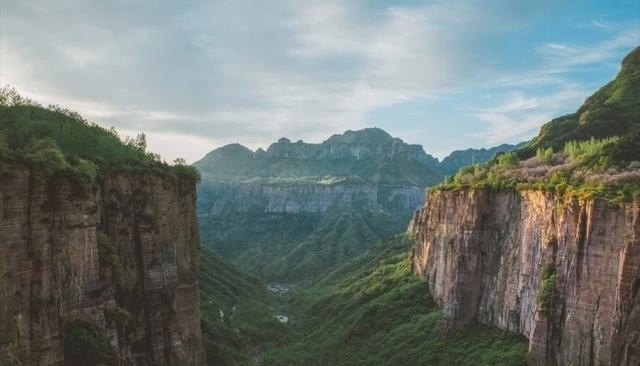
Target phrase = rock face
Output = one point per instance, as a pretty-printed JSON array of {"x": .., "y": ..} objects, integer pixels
[
  {"x": 217, "y": 198},
  {"x": 51, "y": 272},
  {"x": 370, "y": 155},
  {"x": 484, "y": 253}
]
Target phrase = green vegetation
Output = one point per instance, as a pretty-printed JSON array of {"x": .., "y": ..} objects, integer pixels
[
  {"x": 119, "y": 316},
  {"x": 237, "y": 313},
  {"x": 547, "y": 290},
  {"x": 588, "y": 149},
  {"x": 86, "y": 344},
  {"x": 55, "y": 141},
  {"x": 594, "y": 152},
  {"x": 109, "y": 258},
  {"x": 545, "y": 155},
  {"x": 374, "y": 311},
  {"x": 292, "y": 248},
  {"x": 581, "y": 168},
  {"x": 611, "y": 111},
  {"x": 508, "y": 159},
  {"x": 369, "y": 155}
]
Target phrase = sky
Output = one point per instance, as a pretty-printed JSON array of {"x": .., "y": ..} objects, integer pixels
[{"x": 195, "y": 75}]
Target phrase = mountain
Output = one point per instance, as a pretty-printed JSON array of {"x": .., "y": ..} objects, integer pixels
[
  {"x": 294, "y": 211},
  {"x": 99, "y": 246},
  {"x": 543, "y": 241},
  {"x": 370, "y": 155},
  {"x": 460, "y": 158},
  {"x": 614, "y": 110}
]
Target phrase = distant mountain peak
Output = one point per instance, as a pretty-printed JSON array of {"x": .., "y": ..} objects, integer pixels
[{"x": 365, "y": 135}]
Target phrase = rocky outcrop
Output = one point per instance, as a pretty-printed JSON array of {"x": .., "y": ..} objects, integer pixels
[
  {"x": 54, "y": 267},
  {"x": 562, "y": 271},
  {"x": 217, "y": 198}
]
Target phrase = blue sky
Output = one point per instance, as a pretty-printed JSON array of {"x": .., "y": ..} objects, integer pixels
[{"x": 196, "y": 75}]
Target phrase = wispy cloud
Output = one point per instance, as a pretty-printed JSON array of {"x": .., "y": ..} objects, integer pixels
[
  {"x": 521, "y": 115},
  {"x": 209, "y": 73},
  {"x": 570, "y": 54}
]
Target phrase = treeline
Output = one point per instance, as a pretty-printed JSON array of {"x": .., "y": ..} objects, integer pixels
[{"x": 57, "y": 141}]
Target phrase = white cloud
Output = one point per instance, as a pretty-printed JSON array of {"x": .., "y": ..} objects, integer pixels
[
  {"x": 562, "y": 55},
  {"x": 249, "y": 71},
  {"x": 520, "y": 116}
]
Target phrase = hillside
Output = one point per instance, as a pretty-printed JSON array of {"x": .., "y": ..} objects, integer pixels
[
  {"x": 461, "y": 158},
  {"x": 238, "y": 313},
  {"x": 373, "y": 311},
  {"x": 591, "y": 153}
]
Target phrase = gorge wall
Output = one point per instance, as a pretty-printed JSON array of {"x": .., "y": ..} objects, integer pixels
[
  {"x": 68, "y": 252},
  {"x": 217, "y": 197},
  {"x": 484, "y": 254}
]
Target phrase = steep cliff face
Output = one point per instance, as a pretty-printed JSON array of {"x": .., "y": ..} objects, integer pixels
[
  {"x": 216, "y": 198},
  {"x": 563, "y": 272},
  {"x": 54, "y": 267}
]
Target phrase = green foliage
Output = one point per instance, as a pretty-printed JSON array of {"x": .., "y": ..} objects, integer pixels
[
  {"x": 109, "y": 258},
  {"x": 374, "y": 311},
  {"x": 237, "y": 312},
  {"x": 45, "y": 155},
  {"x": 508, "y": 159},
  {"x": 547, "y": 290},
  {"x": 86, "y": 344},
  {"x": 119, "y": 316},
  {"x": 545, "y": 155},
  {"x": 293, "y": 248},
  {"x": 55, "y": 140},
  {"x": 612, "y": 111},
  {"x": 598, "y": 147},
  {"x": 584, "y": 150}
]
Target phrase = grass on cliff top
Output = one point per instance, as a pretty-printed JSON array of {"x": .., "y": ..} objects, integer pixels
[
  {"x": 581, "y": 168},
  {"x": 374, "y": 311},
  {"x": 56, "y": 141},
  {"x": 594, "y": 152}
]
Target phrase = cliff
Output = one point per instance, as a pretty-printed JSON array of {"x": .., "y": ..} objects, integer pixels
[
  {"x": 562, "y": 271},
  {"x": 217, "y": 198},
  {"x": 120, "y": 255}
]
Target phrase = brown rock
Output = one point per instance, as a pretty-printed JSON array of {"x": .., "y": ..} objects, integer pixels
[
  {"x": 483, "y": 252},
  {"x": 50, "y": 271}
]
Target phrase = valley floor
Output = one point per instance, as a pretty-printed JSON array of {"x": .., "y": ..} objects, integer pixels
[{"x": 370, "y": 311}]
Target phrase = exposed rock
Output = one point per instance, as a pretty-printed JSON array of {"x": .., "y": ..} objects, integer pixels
[
  {"x": 51, "y": 273},
  {"x": 483, "y": 253},
  {"x": 216, "y": 198}
]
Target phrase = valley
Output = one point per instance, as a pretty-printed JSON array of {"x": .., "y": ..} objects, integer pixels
[
  {"x": 358, "y": 250},
  {"x": 504, "y": 252}
]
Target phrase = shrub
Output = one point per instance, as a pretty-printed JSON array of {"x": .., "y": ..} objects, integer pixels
[
  {"x": 108, "y": 256},
  {"x": 4, "y": 146},
  {"x": 547, "y": 290},
  {"x": 545, "y": 155},
  {"x": 119, "y": 316},
  {"x": 86, "y": 344},
  {"x": 45, "y": 155},
  {"x": 508, "y": 159},
  {"x": 583, "y": 150}
]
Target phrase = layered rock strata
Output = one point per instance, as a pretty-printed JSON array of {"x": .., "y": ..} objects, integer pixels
[{"x": 562, "y": 271}]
